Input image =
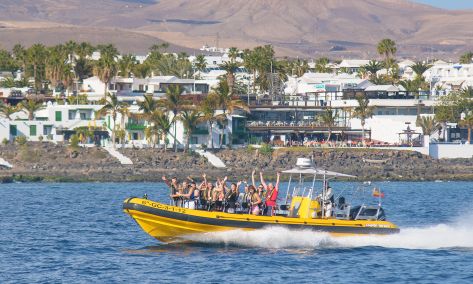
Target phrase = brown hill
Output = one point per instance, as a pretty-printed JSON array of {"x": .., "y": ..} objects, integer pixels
[{"x": 296, "y": 27}]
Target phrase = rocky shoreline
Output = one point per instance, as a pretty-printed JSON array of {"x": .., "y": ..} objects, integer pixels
[{"x": 57, "y": 163}]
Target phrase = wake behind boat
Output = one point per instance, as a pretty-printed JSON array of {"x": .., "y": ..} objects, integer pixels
[{"x": 308, "y": 209}]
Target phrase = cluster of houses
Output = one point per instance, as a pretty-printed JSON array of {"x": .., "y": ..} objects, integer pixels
[{"x": 284, "y": 118}]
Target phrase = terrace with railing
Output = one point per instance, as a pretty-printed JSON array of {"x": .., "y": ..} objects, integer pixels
[{"x": 295, "y": 125}]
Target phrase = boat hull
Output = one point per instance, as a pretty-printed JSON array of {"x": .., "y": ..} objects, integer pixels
[{"x": 169, "y": 223}]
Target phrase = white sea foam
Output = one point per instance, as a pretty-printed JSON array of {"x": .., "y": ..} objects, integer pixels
[{"x": 442, "y": 236}]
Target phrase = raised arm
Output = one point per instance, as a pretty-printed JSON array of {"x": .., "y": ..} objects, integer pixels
[
  {"x": 205, "y": 178},
  {"x": 262, "y": 180},
  {"x": 253, "y": 178},
  {"x": 168, "y": 183},
  {"x": 277, "y": 180}
]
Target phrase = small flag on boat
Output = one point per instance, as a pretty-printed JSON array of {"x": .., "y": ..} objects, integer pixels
[{"x": 377, "y": 192}]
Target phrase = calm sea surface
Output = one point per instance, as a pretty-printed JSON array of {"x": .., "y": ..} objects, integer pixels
[{"x": 77, "y": 233}]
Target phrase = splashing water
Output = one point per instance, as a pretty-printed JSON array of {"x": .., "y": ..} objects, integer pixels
[{"x": 440, "y": 236}]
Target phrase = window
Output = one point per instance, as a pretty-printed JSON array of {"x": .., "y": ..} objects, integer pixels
[
  {"x": 193, "y": 140},
  {"x": 83, "y": 116},
  {"x": 58, "y": 115},
  {"x": 32, "y": 130},
  {"x": 13, "y": 130},
  {"x": 47, "y": 129},
  {"x": 72, "y": 114}
]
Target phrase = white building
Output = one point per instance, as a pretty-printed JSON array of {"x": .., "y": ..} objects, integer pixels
[
  {"x": 353, "y": 65},
  {"x": 449, "y": 77}
]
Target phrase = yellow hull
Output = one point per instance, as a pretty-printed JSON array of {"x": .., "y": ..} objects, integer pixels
[{"x": 167, "y": 223}]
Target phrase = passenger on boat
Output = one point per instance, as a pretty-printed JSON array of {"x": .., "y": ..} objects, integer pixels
[
  {"x": 329, "y": 200},
  {"x": 191, "y": 196},
  {"x": 173, "y": 187},
  {"x": 272, "y": 192},
  {"x": 232, "y": 197},
  {"x": 218, "y": 197},
  {"x": 255, "y": 201},
  {"x": 245, "y": 199}
]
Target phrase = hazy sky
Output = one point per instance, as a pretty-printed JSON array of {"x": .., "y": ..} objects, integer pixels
[{"x": 450, "y": 4}]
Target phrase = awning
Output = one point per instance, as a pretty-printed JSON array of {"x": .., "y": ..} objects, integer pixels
[{"x": 315, "y": 171}]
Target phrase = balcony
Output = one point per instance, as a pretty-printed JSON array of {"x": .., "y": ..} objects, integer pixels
[{"x": 297, "y": 126}]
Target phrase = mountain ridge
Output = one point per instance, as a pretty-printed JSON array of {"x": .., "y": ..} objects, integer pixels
[{"x": 307, "y": 28}]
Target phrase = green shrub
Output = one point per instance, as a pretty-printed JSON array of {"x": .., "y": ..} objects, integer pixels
[
  {"x": 5, "y": 141},
  {"x": 21, "y": 140},
  {"x": 40, "y": 138},
  {"x": 74, "y": 141},
  {"x": 266, "y": 149},
  {"x": 50, "y": 137}
]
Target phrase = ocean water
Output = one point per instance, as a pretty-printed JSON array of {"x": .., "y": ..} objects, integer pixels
[{"x": 77, "y": 233}]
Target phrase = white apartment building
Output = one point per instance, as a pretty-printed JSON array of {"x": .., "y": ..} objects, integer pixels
[{"x": 446, "y": 77}]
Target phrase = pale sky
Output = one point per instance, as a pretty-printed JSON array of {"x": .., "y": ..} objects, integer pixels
[{"x": 449, "y": 4}]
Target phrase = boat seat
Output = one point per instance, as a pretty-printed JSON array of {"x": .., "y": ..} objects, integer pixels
[{"x": 284, "y": 207}]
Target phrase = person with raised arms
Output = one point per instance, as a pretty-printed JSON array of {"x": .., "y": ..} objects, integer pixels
[{"x": 271, "y": 194}]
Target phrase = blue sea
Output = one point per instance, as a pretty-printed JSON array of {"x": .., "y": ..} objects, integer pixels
[{"x": 77, "y": 233}]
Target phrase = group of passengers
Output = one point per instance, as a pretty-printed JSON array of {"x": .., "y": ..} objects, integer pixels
[{"x": 221, "y": 196}]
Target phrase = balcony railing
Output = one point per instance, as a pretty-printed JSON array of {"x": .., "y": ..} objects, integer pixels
[{"x": 299, "y": 125}]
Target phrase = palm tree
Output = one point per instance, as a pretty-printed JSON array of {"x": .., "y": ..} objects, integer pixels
[
  {"x": 174, "y": 103},
  {"x": 200, "y": 63},
  {"x": 363, "y": 111},
  {"x": 387, "y": 48},
  {"x": 112, "y": 107},
  {"x": 411, "y": 86},
  {"x": 208, "y": 107},
  {"x": 321, "y": 65},
  {"x": 148, "y": 105},
  {"x": 7, "y": 110},
  {"x": 160, "y": 123},
  {"x": 466, "y": 58},
  {"x": 124, "y": 112},
  {"x": 233, "y": 53},
  {"x": 105, "y": 69},
  {"x": 36, "y": 57},
  {"x": 250, "y": 61},
  {"x": 57, "y": 65},
  {"x": 155, "y": 54},
  {"x": 419, "y": 68},
  {"x": 227, "y": 104},
  {"x": 428, "y": 124},
  {"x": 19, "y": 52},
  {"x": 372, "y": 68},
  {"x": 126, "y": 65},
  {"x": 142, "y": 70},
  {"x": 468, "y": 123},
  {"x": 168, "y": 64},
  {"x": 328, "y": 119},
  {"x": 7, "y": 62},
  {"x": 8, "y": 83},
  {"x": 30, "y": 107},
  {"x": 467, "y": 92},
  {"x": 190, "y": 119},
  {"x": 230, "y": 67},
  {"x": 84, "y": 50},
  {"x": 300, "y": 67}
]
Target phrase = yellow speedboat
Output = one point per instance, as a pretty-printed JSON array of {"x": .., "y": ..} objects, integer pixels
[{"x": 170, "y": 223}]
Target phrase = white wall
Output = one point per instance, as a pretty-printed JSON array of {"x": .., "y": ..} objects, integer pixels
[
  {"x": 451, "y": 151},
  {"x": 386, "y": 127}
]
